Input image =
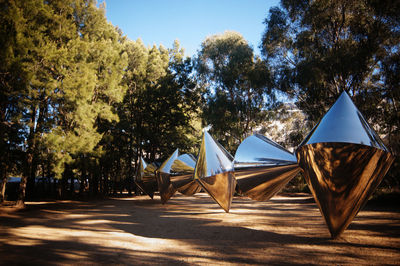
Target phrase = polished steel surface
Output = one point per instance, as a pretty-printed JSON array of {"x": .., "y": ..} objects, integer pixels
[
  {"x": 263, "y": 182},
  {"x": 163, "y": 178},
  {"x": 182, "y": 175},
  {"x": 344, "y": 161},
  {"x": 184, "y": 164},
  {"x": 213, "y": 158},
  {"x": 258, "y": 150},
  {"x": 145, "y": 178},
  {"x": 344, "y": 123},
  {"x": 214, "y": 171},
  {"x": 220, "y": 187},
  {"x": 341, "y": 177},
  {"x": 166, "y": 166},
  {"x": 263, "y": 167},
  {"x": 185, "y": 184}
]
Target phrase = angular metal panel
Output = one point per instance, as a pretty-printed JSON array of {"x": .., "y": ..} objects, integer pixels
[
  {"x": 145, "y": 178},
  {"x": 220, "y": 187},
  {"x": 341, "y": 177},
  {"x": 182, "y": 174},
  {"x": 263, "y": 167},
  {"x": 163, "y": 178},
  {"x": 263, "y": 182},
  {"x": 167, "y": 164},
  {"x": 184, "y": 164},
  {"x": 344, "y": 123},
  {"x": 214, "y": 171},
  {"x": 258, "y": 150},
  {"x": 185, "y": 184},
  {"x": 344, "y": 161}
]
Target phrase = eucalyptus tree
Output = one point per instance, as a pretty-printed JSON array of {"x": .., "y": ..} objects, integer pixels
[
  {"x": 317, "y": 49},
  {"x": 236, "y": 86}
]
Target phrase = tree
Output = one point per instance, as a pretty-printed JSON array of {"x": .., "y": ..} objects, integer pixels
[
  {"x": 156, "y": 114},
  {"x": 317, "y": 49},
  {"x": 12, "y": 87},
  {"x": 61, "y": 77},
  {"x": 90, "y": 83},
  {"x": 236, "y": 87},
  {"x": 320, "y": 48}
]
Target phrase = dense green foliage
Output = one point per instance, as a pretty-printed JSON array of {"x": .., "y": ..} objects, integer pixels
[
  {"x": 236, "y": 87},
  {"x": 317, "y": 49},
  {"x": 80, "y": 103}
]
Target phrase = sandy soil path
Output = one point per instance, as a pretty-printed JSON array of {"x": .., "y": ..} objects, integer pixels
[{"x": 193, "y": 231}]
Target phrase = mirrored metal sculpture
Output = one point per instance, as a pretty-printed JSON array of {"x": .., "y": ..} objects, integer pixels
[
  {"x": 263, "y": 167},
  {"x": 182, "y": 175},
  {"x": 344, "y": 161},
  {"x": 145, "y": 177},
  {"x": 214, "y": 171},
  {"x": 163, "y": 178}
]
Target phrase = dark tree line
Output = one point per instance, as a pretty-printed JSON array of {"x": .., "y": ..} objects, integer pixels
[{"x": 80, "y": 103}]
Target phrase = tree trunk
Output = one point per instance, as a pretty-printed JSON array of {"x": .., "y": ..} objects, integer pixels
[
  {"x": 3, "y": 156},
  {"x": 129, "y": 178},
  {"x": 27, "y": 172},
  {"x": 3, "y": 185}
]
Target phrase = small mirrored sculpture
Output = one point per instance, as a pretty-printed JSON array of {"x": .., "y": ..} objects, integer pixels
[
  {"x": 163, "y": 178},
  {"x": 145, "y": 177},
  {"x": 344, "y": 161},
  {"x": 263, "y": 167},
  {"x": 214, "y": 171},
  {"x": 182, "y": 175}
]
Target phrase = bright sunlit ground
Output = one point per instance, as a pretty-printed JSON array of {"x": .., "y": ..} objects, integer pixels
[{"x": 193, "y": 231}]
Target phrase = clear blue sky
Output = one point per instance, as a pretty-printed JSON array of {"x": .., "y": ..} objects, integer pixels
[{"x": 189, "y": 21}]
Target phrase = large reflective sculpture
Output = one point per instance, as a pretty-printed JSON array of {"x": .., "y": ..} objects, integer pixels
[
  {"x": 182, "y": 175},
  {"x": 344, "y": 161},
  {"x": 214, "y": 171},
  {"x": 145, "y": 178},
  {"x": 163, "y": 178},
  {"x": 263, "y": 167}
]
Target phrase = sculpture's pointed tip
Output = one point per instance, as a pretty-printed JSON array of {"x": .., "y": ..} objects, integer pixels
[
  {"x": 206, "y": 129},
  {"x": 344, "y": 123}
]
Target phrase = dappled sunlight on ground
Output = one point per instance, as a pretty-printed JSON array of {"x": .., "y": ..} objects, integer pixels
[{"x": 193, "y": 230}]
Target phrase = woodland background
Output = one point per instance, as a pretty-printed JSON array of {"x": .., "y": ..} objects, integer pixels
[{"x": 80, "y": 102}]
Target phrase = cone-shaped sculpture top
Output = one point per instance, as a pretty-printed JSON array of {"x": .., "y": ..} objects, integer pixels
[
  {"x": 145, "y": 169},
  {"x": 184, "y": 164},
  {"x": 182, "y": 171},
  {"x": 344, "y": 123},
  {"x": 258, "y": 150},
  {"x": 214, "y": 171},
  {"x": 213, "y": 158},
  {"x": 166, "y": 166},
  {"x": 141, "y": 168},
  {"x": 145, "y": 177}
]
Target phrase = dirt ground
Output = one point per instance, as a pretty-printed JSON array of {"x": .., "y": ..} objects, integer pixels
[{"x": 194, "y": 231}]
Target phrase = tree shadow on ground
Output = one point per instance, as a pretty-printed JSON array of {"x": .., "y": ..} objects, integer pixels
[{"x": 190, "y": 230}]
